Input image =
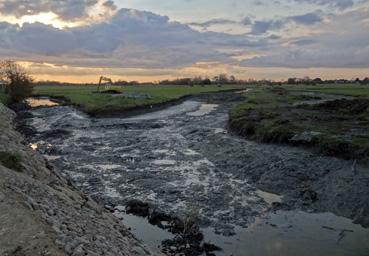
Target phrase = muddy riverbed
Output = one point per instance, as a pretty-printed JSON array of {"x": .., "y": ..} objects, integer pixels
[{"x": 249, "y": 198}]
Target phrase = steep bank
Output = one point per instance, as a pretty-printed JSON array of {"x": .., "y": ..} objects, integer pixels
[{"x": 41, "y": 213}]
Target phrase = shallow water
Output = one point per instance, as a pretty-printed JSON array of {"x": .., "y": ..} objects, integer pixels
[
  {"x": 295, "y": 233},
  {"x": 286, "y": 233},
  {"x": 41, "y": 102},
  {"x": 203, "y": 110},
  {"x": 178, "y": 161}
]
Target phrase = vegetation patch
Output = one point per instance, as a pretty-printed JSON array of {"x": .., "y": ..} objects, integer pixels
[
  {"x": 4, "y": 98},
  {"x": 17, "y": 83},
  {"x": 348, "y": 90},
  {"x": 334, "y": 127},
  {"x": 86, "y": 98},
  {"x": 11, "y": 160}
]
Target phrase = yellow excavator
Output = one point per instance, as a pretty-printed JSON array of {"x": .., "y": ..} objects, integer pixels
[{"x": 105, "y": 83}]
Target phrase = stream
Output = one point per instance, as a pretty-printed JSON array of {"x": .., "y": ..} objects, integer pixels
[{"x": 183, "y": 160}]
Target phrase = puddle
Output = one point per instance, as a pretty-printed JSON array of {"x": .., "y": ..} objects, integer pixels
[
  {"x": 295, "y": 233},
  {"x": 244, "y": 91},
  {"x": 190, "y": 152},
  {"x": 281, "y": 233},
  {"x": 41, "y": 102},
  {"x": 164, "y": 162},
  {"x": 52, "y": 158},
  {"x": 108, "y": 167},
  {"x": 220, "y": 130},
  {"x": 151, "y": 235},
  {"x": 203, "y": 110},
  {"x": 269, "y": 197},
  {"x": 168, "y": 112}
]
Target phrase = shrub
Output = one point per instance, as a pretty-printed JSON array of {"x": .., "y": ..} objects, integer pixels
[{"x": 19, "y": 83}]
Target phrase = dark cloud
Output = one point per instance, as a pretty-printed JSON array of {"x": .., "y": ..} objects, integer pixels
[
  {"x": 346, "y": 49},
  {"x": 307, "y": 19},
  {"x": 259, "y": 27},
  {"x": 341, "y": 4},
  {"x": 212, "y": 22},
  {"x": 130, "y": 38},
  {"x": 263, "y": 26}
]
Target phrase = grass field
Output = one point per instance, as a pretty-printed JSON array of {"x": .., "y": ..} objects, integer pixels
[
  {"x": 96, "y": 103},
  {"x": 338, "y": 128},
  {"x": 349, "y": 90}
]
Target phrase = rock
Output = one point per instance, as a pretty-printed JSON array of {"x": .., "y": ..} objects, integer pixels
[
  {"x": 138, "y": 208},
  {"x": 362, "y": 217},
  {"x": 309, "y": 196},
  {"x": 157, "y": 217},
  {"x": 211, "y": 247}
]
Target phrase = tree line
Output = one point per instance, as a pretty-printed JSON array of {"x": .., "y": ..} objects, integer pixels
[{"x": 224, "y": 79}]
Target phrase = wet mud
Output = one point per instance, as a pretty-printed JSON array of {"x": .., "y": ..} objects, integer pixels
[{"x": 182, "y": 161}]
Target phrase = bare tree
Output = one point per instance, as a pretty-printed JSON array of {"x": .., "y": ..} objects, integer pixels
[{"x": 18, "y": 84}]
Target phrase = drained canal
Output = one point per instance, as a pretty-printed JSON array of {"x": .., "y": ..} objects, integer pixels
[{"x": 182, "y": 160}]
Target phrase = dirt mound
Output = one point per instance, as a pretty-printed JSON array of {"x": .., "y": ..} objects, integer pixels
[{"x": 111, "y": 92}]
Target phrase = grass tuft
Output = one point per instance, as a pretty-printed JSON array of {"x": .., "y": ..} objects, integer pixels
[{"x": 11, "y": 161}]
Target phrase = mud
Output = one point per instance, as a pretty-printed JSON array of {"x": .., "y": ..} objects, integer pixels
[{"x": 185, "y": 164}]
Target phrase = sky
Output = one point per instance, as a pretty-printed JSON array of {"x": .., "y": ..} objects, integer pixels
[{"x": 151, "y": 40}]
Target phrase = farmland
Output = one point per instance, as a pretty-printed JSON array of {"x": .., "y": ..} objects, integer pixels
[{"x": 86, "y": 98}]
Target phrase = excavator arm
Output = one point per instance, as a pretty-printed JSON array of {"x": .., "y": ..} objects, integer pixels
[{"x": 107, "y": 82}]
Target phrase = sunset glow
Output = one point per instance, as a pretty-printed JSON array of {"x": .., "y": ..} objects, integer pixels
[{"x": 80, "y": 41}]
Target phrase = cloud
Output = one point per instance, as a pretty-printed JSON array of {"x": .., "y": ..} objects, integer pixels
[
  {"x": 258, "y": 27},
  {"x": 263, "y": 26},
  {"x": 130, "y": 38},
  {"x": 341, "y": 42},
  {"x": 341, "y": 4},
  {"x": 306, "y": 19},
  {"x": 212, "y": 22},
  {"x": 138, "y": 39},
  {"x": 64, "y": 9}
]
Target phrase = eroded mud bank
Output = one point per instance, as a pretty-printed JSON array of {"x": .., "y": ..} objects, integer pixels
[{"x": 182, "y": 159}]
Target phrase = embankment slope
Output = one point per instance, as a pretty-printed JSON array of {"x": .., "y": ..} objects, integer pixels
[{"x": 41, "y": 213}]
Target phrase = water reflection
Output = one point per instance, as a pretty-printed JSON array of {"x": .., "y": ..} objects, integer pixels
[
  {"x": 269, "y": 197},
  {"x": 151, "y": 235},
  {"x": 203, "y": 110},
  {"x": 41, "y": 102},
  {"x": 34, "y": 146},
  {"x": 295, "y": 233}
]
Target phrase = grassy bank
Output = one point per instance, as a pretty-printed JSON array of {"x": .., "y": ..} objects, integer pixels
[
  {"x": 348, "y": 90},
  {"x": 99, "y": 104},
  {"x": 337, "y": 127}
]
